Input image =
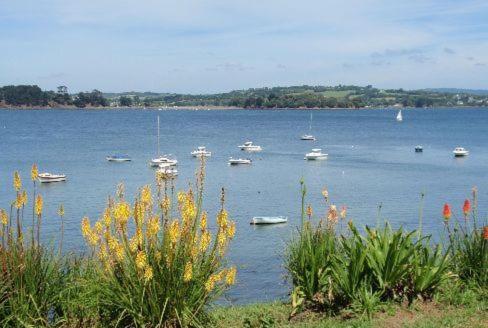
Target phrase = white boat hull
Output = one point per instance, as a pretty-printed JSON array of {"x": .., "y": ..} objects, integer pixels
[
  {"x": 239, "y": 161},
  {"x": 308, "y": 138},
  {"x": 252, "y": 148},
  {"x": 157, "y": 162},
  {"x": 460, "y": 153},
  {"x": 111, "y": 159},
  {"x": 51, "y": 178},
  {"x": 315, "y": 157},
  {"x": 268, "y": 220}
]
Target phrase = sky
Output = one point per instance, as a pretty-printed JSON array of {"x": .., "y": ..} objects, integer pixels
[{"x": 200, "y": 46}]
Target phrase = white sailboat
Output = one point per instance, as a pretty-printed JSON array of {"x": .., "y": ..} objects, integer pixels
[
  {"x": 155, "y": 162},
  {"x": 309, "y": 136},
  {"x": 399, "y": 117},
  {"x": 269, "y": 219}
]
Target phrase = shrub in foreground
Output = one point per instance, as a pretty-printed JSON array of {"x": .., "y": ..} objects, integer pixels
[
  {"x": 30, "y": 274},
  {"x": 157, "y": 264},
  {"x": 332, "y": 270}
]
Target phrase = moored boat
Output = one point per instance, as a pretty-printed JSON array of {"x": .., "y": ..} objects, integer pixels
[
  {"x": 460, "y": 151},
  {"x": 118, "y": 158},
  {"x": 155, "y": 162},
  {"x": 315, "y": 154},
  {"x": 269, "y": 219},
  {"x": 419, "y": 149},
  {"x": 237, "y": 161},
  {"x": 399, "y": 116},
  {"x": 249, "y": 146},
  {"x": 201, "y": 151},
  {"x": 49, "y": 177},
  {"x": 309, "y": 137}
]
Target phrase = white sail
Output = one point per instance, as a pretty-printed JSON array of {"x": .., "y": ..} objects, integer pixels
[{"x": 399, "y": 117}]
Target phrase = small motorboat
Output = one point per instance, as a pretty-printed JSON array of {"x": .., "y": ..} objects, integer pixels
[
  {"x": 155, "y": 162},
  {"x": 201, "y": 152},
  {"x": 118, "y": 158},
  {"x": 48, "y": 177},
  {"x": 248, "y": 146},
  {"x": 460, "y": 151},
  {"x": 308, "y": 137},
  {"x": 315, "y": 154},
  {"x": 269, "y": 219},
  {"x": 399, "y": 116},
  {"x": 419, "y": 149},
  {"x": 237, "y": 161}
]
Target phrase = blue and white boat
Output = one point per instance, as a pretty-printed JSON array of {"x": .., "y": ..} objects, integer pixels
[{"x": 118, "y": 158}]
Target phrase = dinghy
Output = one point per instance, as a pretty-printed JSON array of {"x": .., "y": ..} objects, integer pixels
[
  {"x": 269, "y": 219},
  {"x": 118, "y": 158},
  {"x": 48, "y": 177},
  {"x": 236, "y": 161}
]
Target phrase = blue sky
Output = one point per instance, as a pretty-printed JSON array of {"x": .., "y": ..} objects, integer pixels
[{"x": 211, "y": 46}]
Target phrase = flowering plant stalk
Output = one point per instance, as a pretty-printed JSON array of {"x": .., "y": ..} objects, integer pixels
[{"x": 157, "y": 260}]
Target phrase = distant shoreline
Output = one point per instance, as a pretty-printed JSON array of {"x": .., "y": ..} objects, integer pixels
[{"x": 197, "y": 108}]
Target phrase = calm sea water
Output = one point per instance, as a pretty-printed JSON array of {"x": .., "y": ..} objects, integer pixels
[{"x": 371, "y": 163}]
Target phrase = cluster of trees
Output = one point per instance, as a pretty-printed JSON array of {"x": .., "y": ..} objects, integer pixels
[
  {"x": 94, "y": 99},
  {"x": 32, "y": 95}
]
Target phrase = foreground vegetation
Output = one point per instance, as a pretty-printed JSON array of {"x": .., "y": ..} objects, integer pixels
[
  {"x": 341, "y": 96},
  {"x": 155, "y": 264}
]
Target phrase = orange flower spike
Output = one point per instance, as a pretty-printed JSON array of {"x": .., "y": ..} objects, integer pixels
[
  {"x": 447, "y": 212},
  {"x": 485, "y": 232},
  {"x": 466, "y": 207}
]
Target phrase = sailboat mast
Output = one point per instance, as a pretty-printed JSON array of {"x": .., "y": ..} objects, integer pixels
[
  {"x": 159, "y": 153},
  {"x": 310, "y": 126}
]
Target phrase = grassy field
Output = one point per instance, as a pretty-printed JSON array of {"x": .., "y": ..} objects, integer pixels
[{"x": 425, "y": 315}]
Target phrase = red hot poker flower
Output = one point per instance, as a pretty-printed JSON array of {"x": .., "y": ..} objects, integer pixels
[
  {"x": 446, "y": 212},
  {"x": 466, "y": 207},
  {"x": 485, "y": 232}
]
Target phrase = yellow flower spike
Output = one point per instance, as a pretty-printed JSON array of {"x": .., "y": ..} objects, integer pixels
[
  {"x": 18, "y": 201},
  {"x": 231, "y": 230},
  {"x": 93, "y": 239},
  {"x": 210, "y": 284},
  {"x": 174, "y": 231},
  {"x": 230, "y": 277},
  {"x": 203, "y": 222},
  {"x": 205, "y": 241},
  {"x": 221, "y": 241},
  {"x": 17, "y": 181},
  {"x": 188, "y": 272},
  {"x": 38, "y": 206},
  {"x": 61, "y": 210},
  {"x": 222, "y": 219},
  {"x": 121, "y": 214},
  {"x": 98, "y": 227},
  {"x": 3, "y": 217},
  {"x": 119, "y": 252},
  {"x": 107, "y": 218},
  {"x": 166, "y": 205},
  {"x": 141, "y": 260},
  {"x": 24, "y": 197},
  {"x": 152, "y": 228},
  {"x": 148, "y": 273},
  {"x": 34, "y": 172},
  {"x": 85, "y": 226},
  {"x": 146, "y": 197},
  {"x": 133, "y": 243},
  {"x": 181, "y": 197}
]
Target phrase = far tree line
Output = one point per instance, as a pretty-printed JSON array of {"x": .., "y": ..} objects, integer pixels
[{"x": 341, "y": 96}]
